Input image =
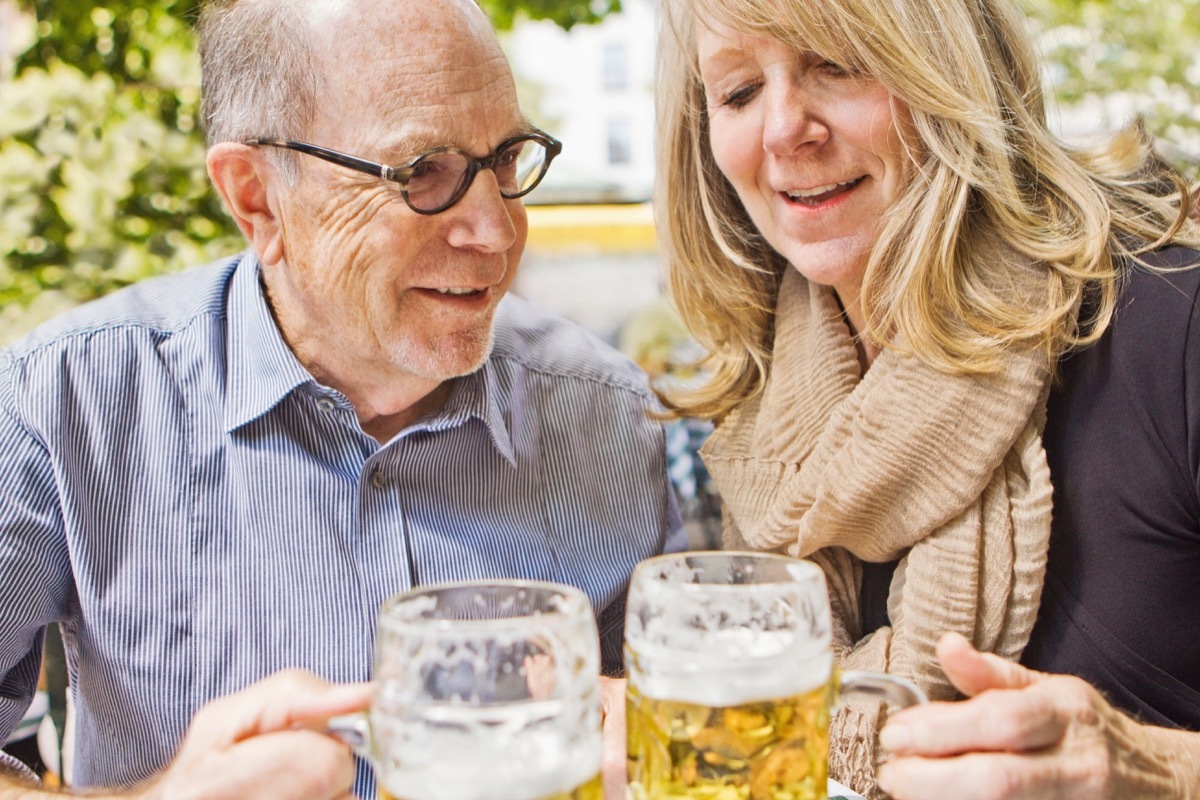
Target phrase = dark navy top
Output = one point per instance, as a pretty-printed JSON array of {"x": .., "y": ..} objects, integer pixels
[{"x": 1121, "y": 605}]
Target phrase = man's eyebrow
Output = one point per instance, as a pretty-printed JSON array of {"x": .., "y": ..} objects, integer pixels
[
  {"x": 409, "y": 147},
  {"x": 525, "y": 127}
]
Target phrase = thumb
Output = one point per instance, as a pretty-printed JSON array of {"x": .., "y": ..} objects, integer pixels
[{"x": 973, "y": 672}]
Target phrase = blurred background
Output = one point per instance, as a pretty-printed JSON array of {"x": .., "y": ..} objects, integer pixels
[{"x": 102, "y": 162}]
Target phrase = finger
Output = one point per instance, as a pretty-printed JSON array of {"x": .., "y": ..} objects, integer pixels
[
  {"x": 998, "y": 720},
  {"x": 978, "y": 776},
  {"x": 973, "y": 672},
  {"x": 297, "y": 698},
  {"x": 285, "y": 700}
]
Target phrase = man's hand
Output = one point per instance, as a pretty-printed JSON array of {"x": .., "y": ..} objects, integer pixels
[
  {"x": 264, "y": 742},
  {"x": 612, "y": 701},
  {"x": 1025, "y": 734}
]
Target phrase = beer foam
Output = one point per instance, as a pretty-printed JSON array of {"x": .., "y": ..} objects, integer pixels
[
  {"x": 501, "y": 758},
  {"x": 719, "y": 681}
]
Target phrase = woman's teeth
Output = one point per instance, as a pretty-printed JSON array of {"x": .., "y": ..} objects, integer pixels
[{"x": 818, "y": 191}]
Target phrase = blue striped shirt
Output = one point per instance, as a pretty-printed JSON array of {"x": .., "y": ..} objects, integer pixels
[
  {"x": 197, "y": 511},
  {"x": 11, "y": 767}
]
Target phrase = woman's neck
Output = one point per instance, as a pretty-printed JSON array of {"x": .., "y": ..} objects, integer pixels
[{"x": 852, "y": 312}]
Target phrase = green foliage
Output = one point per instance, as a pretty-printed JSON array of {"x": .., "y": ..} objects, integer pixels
[
  {"x": 100, "y": 153},
  {"x": 120, "y": 42},
  {"x": 564, "y": 13},
  {"x": 1137, "y": 56}
]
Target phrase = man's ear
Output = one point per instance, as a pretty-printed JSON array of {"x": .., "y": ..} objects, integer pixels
[{"x": 243, "y": 177}]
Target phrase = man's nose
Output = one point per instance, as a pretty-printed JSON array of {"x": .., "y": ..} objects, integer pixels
[{"x": 483, "y": 218}]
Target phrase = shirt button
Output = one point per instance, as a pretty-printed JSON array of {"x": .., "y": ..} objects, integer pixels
[
  {"x": 325, "y": 404},
  {"x": 378, "y": 479}
]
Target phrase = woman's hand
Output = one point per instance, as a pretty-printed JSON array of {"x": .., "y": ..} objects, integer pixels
[{"x": 1025, "y": 734}]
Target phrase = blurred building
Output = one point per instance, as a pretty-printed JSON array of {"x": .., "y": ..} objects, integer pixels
[
  {"x": 592, "y": 87},
  {"x": 591, "y": 254}
]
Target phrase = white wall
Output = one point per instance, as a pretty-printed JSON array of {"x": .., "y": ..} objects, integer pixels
[{"x": 561, "y": 76}]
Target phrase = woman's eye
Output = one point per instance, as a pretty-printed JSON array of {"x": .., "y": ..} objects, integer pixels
[{"x": 740, "y": 96}]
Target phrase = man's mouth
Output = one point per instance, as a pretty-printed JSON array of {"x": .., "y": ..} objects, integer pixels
[
  {"x": 458, "y": 291},
  {"x": 821, "y": 194},
  {"x": 460, "y": 297}
]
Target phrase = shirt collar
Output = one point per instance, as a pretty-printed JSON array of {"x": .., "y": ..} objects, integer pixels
[
  {"x": 495, "y": 420},
  {"x": 262, "y": 368},
  {"x": 475, "y": 396}
]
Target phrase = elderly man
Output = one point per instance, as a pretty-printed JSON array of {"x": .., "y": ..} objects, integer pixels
[{"x": 212, "y": 477}]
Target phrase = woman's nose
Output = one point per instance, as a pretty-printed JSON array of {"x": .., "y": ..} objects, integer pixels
[{"x": 792, "y": 118}]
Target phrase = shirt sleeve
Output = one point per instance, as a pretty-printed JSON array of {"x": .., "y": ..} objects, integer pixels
[
  {"x": 11, "y": 767},
  {"x": 674, "y": 535},
  {"x": 34, "y": 565}
]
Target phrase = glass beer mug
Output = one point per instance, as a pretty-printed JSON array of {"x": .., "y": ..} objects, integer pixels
[
  {"x": 732, "y": 680},
  {"x": 484, "y": 690}
]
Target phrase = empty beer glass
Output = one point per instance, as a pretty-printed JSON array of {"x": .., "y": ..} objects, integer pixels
[
  {"x": 487, "y": 690},
  {"x": 732, "y": 680}
]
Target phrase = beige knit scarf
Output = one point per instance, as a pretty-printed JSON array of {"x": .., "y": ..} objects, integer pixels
[{"x": 946, "y": 471}]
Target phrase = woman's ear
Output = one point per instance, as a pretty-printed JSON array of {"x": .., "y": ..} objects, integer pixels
[{"x": 243, "y": 178}]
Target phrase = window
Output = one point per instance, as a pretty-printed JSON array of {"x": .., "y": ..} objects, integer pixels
[
  {"x": 616, "y": 67},
  {"x": 620, "y": 149}
]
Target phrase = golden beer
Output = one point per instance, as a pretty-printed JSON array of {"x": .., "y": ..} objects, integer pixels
[
  {"x": 590, "y": 790},
  {"x": 764, "y": 750}
]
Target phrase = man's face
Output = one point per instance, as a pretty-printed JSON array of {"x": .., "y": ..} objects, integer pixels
[{"x": 369, "y": 291}]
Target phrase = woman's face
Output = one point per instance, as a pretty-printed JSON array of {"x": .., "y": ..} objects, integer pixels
[{"x": 813, "y": 152}]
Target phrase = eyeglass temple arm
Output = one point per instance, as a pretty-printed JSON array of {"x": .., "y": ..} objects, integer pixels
[{"x": 333, "y": 156}]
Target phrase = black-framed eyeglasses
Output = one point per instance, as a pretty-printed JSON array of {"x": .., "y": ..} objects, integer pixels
[{"x": 437, "y": 179}]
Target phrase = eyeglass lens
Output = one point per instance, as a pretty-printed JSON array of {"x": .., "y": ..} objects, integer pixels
[{"x": 439, "y": 178}]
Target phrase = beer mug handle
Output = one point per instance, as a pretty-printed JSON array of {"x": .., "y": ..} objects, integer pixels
[
  {"x": 354, "y": 730},
  {"x": 891, "y": 689}
]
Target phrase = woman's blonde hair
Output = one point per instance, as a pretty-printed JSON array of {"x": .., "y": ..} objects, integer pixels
[{"x": 994, "y": 242}]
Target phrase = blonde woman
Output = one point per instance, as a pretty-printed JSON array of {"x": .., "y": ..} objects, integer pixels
[{"x": 952, "y": 360}]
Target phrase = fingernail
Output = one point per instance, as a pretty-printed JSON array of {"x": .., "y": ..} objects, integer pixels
[{"x": 895, "y": 737}]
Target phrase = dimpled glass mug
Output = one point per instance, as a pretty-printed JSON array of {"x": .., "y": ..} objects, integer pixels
[
  {"x": 732, "y": 680},
  {"x": 484, "y": 690}
]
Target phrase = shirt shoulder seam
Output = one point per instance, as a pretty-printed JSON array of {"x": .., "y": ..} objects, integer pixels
[{"x": 611, "y": 381}]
